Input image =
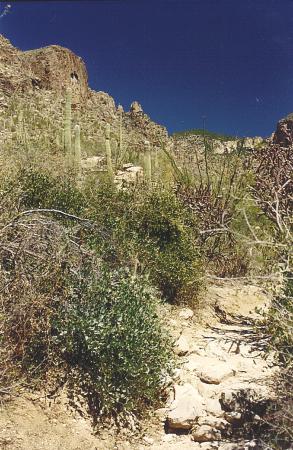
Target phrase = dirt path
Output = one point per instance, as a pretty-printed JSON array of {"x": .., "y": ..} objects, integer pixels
[
  {"x": 223, "y": 375},
  {"x": 221, "y": 368}
]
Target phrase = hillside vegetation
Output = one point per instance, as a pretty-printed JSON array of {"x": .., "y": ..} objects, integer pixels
[
  {"x": 88, "y": 263},
  {"x": 205, "y": 133}
]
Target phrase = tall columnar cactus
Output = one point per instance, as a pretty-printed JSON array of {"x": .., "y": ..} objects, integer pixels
[
  {"x": 120, "y": 131},
  {"x": 77, "y": 151},
  {"x": 67, "y": 125},
  {"x": 108, "y": 151},
  {"x": 147, "y": 161}
]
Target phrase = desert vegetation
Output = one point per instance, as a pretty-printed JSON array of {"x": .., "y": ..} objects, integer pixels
[{"x": 87, "y": 264}]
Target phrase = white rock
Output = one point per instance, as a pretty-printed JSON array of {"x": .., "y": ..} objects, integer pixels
[
  {"x": 134, "y": 169},
  {"x": 181, "y": 347},
  {"x": 217, "y": 373},
  {"x": 205, "y": 433},
  {"x": 213, "y": 406},
  {"x": 148, "y": 440},
  {"x": 214, "y": 422},
  {"x": 168, "y": 437},
  {"x": 186, "y": 408},
  {"x": 186, "y": 314}
]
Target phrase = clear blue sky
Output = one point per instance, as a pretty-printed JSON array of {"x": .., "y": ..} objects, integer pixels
[{"x": 228, "y": 60}]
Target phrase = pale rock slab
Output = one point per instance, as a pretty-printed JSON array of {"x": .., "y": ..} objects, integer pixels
[
  {"x": 205, "y": 433},
  {"x": 181, "y": 347},
  {"x": 217, "y": 373},
  {"x": 186, "y": 408}
]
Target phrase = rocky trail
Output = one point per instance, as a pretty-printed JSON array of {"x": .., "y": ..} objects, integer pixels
[
  {"x": 222, "y": 385},
  {"x": 223, "y": 378}
]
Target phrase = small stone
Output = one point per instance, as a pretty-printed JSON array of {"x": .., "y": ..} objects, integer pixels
[
  {"x": 148, "y": 440},
  {"x": 186, "y": 313},
  {"x": 217, "y": 373},
  {"x": 204, "y": 433},
  {"x": 213, "y": 406},
  {"x": 186, "y": 408},
  {"x": 214, "y": 422},
  {"x": 181, "y": 346},
  {"x": 168, "y": 437}
]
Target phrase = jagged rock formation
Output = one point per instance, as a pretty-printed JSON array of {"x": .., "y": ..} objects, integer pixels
[
  {"x": 33, "y": 85},
  {"x": 56, "y": 68},
  {"x": 187, "y": 143},
  {"x": 39, "y": 78},
  {"x": 283, "y": 135}
]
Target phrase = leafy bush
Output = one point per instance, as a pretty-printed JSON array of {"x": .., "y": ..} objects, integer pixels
[
  {"x": 279, "y": 325},
  {"x": 168, "y": 245},
  {"x": 111, "y": 336},
  {"x": 42, "y": 190},
  {"x": 152, "y": 233},
  {"x": 62, "y": 314}
]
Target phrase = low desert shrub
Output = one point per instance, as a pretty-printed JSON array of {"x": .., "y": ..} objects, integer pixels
[
  {"x": 279, "y": 325},
  {"x": 62, "y": 313},
  {"x": 113, "y": 341},
  {"x": 42, "y": 190},
  {"x": 152, "y": 233},
  {"x": 169, "y": 246}
]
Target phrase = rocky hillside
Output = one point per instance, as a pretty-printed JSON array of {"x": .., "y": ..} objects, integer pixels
[
  {"x": 32, "y": 95},
  {"x": 32, "y": 91}
]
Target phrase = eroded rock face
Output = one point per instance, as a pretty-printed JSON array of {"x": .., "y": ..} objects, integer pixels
[
  {"x": 15, "y": 75},
  {"x": 40, "y": 78},
  {"x": 284, "y": 132},
  {"x": 56, "y": 68},
  {"x": 135, "y": 108}
]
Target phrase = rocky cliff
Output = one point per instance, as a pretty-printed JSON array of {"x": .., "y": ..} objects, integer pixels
[
  {"x": 283, "y": 135},
  {"x": 34, "y": 83}
]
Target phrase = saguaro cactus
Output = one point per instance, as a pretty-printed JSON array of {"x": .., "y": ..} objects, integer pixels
[
  {"x": 120, "y": 110},
  {"x": 77, "y": 151},
  {"x": 147, "y": 161},
  {"x": 67, "y": 124},
  {"x": 108, "y": 151}
]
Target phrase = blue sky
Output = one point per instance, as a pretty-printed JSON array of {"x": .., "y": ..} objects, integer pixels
[{"x": 228, "y": 60}]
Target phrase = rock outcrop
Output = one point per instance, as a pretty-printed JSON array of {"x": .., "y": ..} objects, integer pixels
[
  {"x": 39, "y": 79},
  {"x": 283, "y": 135},
  {"x": 56, "y": 68}
]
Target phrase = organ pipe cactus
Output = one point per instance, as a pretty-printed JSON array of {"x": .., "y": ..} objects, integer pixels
[{"x": 120, "y": 129}]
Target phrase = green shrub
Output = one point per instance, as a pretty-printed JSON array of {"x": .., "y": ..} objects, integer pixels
[
  {"x": 152, "y": 233},
  {"x": 112, "y": 338},
  {"x": 41, "y": 190},
  {"x": 64, "y": 317},
  {"x": 279, "y": 326},
  {"x": 168, "y": 242}
]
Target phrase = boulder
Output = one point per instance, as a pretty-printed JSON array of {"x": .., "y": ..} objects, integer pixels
[
  {"x": 217, "y": 373},
  {"x": 181, "y": 346},
  {"x": 284, "y": 133},
  {"x": 186, "y": 408},
  {"x": 205, "y": 433}
]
